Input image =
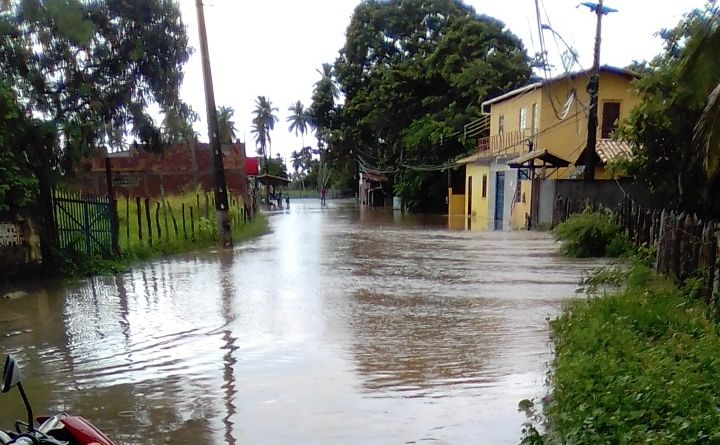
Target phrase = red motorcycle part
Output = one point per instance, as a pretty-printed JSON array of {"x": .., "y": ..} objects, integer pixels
[{"x": 82, "y": 431}]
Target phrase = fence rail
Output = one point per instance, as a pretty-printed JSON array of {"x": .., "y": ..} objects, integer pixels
[{"x": 685, "y": 246}]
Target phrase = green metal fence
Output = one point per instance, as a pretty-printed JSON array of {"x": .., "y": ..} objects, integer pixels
[{"x": 83, "y": 223}]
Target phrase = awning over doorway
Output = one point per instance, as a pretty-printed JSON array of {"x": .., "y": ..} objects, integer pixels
[
  {"x": 538, "y": 159},
  {"x": 272, "y": 180}
]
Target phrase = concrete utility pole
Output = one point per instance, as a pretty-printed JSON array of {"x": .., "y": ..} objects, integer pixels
[
  {"x": 220, "y": 189},
  {"x": 592, "y": 88}
]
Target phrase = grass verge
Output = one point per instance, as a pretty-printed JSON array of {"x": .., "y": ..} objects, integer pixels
[
  {"x": 75, "y": 265},
  {"x": 637, "y": 366}
]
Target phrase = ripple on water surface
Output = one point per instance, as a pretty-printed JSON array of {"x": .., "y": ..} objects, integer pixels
[{"x": 341, "y": 326}]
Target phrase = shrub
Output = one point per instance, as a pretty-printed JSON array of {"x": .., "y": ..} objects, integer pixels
[
  {"x": 640, "y": 366},
  {"x": 592, "y": 234}
]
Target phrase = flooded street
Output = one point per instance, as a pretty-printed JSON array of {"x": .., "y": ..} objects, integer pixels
[{"x": 340, "y": 326}]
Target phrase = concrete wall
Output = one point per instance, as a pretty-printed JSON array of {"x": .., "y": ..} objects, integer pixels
[
  {"x": 19, "y": 244},
  {"x": 608, "y": 193},
  {"x": 500, "y": 165},
  {"x": 474, "y": 193},
  {"x": 547, "y": 200},
  {"x": 567, "y": 137},
  {"x": 510, "y": 110},
  {"x": 521, "y": 204},
  {"x": 563, "y": 135}
]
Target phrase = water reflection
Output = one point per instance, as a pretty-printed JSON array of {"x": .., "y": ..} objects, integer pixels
[
  {"x": 402, "y": 344},
  {"x": 341, "y": 326}
]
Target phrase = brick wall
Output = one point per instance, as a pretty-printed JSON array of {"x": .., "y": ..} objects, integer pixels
[{"x": 145, "y": 174}]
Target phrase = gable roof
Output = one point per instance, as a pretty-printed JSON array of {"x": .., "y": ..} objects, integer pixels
[
  {"x": 535, "y": 85},
  {"x": 608, "y": 149},
  {"x": 548, "y": 158}
]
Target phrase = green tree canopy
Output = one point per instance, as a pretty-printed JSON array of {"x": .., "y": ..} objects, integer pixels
[
  {"x": 412, "y": 73},
  {"x": 674, "y": 130},
  {"x": 299, "y": 119},
  {"x": 263, "y": 123},
  {"x": 92, "y": 68},
  {"x": 177, "y": 125},
  {"x": 226, "y": 125},
  {"x": 18, "y": 187}
]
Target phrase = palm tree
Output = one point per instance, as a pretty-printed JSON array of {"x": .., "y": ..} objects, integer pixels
[
  {"x": 226, "y": 126},
  {"x": 326, "y": 81},
  {"x": 263, "y": 123},
  {"x": 177, "y": 127},
  {"x": 297, "y": 164},
  {"x": 299, "y": 120},
  {"x": 700, "y": 73}
]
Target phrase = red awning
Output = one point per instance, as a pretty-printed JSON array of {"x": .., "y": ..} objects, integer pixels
[{"x": 251, "y": 166}]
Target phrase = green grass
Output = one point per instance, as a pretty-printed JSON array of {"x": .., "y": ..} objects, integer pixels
[
  {"x": 638, "y": 366},
  {"x": 199, "y": 233}
]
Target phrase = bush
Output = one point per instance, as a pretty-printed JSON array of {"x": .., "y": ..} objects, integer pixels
[
  {"x": 592, "y": 234},
  {"x": 640, "y": 366}
]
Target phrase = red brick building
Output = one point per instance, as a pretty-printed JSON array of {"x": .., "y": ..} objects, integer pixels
[{"x": 180, "y": 168}]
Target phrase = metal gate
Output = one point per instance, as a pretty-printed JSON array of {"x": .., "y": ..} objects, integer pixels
[{"x": 83, "y": 223}]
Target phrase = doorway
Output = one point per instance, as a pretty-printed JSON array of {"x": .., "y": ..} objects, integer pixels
[{"x": 499, "y": 199}]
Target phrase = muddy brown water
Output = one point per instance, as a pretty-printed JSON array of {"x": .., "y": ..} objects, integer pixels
[{"x": 340, "y": 326}]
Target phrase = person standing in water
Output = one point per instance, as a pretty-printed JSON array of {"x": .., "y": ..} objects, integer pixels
[{"x": 323, "y": 192}]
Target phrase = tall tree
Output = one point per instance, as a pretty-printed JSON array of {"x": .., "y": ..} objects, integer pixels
[
  {"x": 297, "y": 164},
  {"x": 177, "y": 128},
  {"x": 263, "y": 123},
  {"x": 18, "y": 186},
  {"x": 699, "y": 72},
  {"x": 177, "y": 125},
  {"x": 674, "y": 130},
  {"x": 226, "y": 125},
  {"x": 299, "y": 120},
  {"x": 88, "y": 71},
  {"x": 413, "y": 72},
  {"x": 323, "y": 118}
]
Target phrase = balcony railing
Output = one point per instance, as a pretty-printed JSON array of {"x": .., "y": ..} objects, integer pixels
[{"x": 508, "y": 143}]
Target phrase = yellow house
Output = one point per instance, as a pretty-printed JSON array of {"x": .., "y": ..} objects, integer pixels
[{"x": 540, "y": 131}]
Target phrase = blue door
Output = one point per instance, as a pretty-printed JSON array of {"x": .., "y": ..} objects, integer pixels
[{"x": 499, "y": 199}]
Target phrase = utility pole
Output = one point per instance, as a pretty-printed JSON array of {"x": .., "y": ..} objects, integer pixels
[
  {"x": 220, "y": 187},
  {"x": 590, "y": 156}
]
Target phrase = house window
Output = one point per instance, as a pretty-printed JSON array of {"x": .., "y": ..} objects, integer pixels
[
  {"x": 501, "y": 124},
  {"x": 535, "y": 119},
  {"x": 610, "y": 116},
  {"x": 484, "y": 186},
  {"x": 523, "y": 118}
]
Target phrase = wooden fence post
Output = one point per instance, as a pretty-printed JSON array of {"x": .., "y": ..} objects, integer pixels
[
  {"x": 149, "y": 221},
  {"x": 127, "y": 218},
  {"x": 157, "y": 222},
  {"x": 172, "y": 215},
  {"x": 678, "y": 224},
  {"x": 661, "y": 246},
  {"x": 716, "y": 279},
  {"x": 192, "y": 224},
  {"x": 706, "y": 261},
  {"x": 139, "y": 218},
  {"x": 183, "y": 221},
  {"x": 165, "y": 219}
]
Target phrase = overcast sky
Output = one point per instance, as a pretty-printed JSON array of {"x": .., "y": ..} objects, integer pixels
[{"x": 274, "y": 47}]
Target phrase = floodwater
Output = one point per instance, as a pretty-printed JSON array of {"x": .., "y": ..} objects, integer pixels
[{"x": 342, "y": 326}]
